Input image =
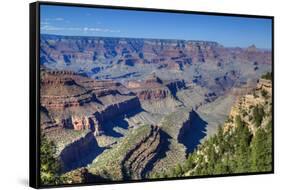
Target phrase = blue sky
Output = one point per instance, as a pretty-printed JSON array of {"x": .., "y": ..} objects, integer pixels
[{"x": 228, "y": 31}]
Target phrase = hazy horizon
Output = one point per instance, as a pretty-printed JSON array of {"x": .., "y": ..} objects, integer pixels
[{"x": 228, "y": 31}]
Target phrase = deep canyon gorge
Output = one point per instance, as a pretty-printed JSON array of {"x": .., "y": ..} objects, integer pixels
[{"x": 127, "y": 108}]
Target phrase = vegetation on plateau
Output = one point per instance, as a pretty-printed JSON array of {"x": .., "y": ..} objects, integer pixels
[
  {"x": 245, "y": 147},
  {"x": 49, "y": 164},
  {"x": 267, "y": 76},
  {"x": 235, "y": 152}
]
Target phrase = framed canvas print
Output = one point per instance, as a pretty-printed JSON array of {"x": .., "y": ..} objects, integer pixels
[{"x": 120, "y": 94}]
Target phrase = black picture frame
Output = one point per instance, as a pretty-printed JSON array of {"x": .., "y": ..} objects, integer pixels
[{"x": 34, "y": 90}]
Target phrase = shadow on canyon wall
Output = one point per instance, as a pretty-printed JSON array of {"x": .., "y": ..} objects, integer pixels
[
  {"x": 192, "y": 131},
  {"x": 80, "y": 153},
  {"x": 91, "y": 178},
  {"x": 120, "y": 121}
]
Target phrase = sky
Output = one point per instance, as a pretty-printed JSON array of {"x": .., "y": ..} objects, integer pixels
[{"x": 226, "y": 30}]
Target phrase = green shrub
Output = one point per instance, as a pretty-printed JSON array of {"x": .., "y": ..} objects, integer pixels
[
  {"x": 49, "y": 164},
  {"x": 267, "y": 76},
  {"x": 258, "y": 113}
]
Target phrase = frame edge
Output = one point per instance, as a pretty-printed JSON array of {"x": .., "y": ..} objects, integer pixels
[{"x": 33, "y": 116}]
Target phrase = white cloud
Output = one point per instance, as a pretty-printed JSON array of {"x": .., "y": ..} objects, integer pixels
[
  {"x": 44, "y": 23},
  {"x": 54, "y": 19},
  {"x": 73, "y": 29},
  {"x": 51, "y": 28},
  {"x": 59, "y": 19},
  {"x": 101, "y": 30},
  {"x": 88, "y": 30}
]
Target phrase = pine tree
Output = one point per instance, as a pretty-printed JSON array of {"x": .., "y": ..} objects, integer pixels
[
  {"x": 49, "y": 165},
  {"x": 178, "y": 170},
  {"x": 238, "y": 121},
  {"x": 220, "y": 168},
  {"x": 220, "y": 134},
  {"x": 242, "y": 152},
  {"x": 261, "y": 151},
  {"x": 212, "y": 159},
  {"x": 189, "y": 163},
  {"x": 258, "y": 114}
]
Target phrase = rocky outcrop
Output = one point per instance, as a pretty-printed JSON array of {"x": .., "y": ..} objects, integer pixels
[
  {"x": 257, "y": 100},
  {"x": 153, "y": 94},
  {"x": 94, "y": 120},
  {"x": 201, "y": 51},
  {"x": 134, "y": 162},
  {"x": 134, "y": 156},
  {"x": 153, "y": 88},
  {"x": 59, "y": 89},
  {"x": 76, "y": 123},
  {"x": 175, "y": 86},
  {"x": 113, "y": 111},
  {"x": 265, "y": 85},
  {"x": 169, "y": 88},
  {"x": 76, "y": 102}
]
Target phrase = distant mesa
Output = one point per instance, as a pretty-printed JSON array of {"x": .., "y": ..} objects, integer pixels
[
  {"x": 101, "y": 54},
  {"x": 152, "y": 78},
  {"x": 252, "y": 48}
]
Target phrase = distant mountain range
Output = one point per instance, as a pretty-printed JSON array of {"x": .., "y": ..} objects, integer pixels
[{"x": 99, "y": 56}]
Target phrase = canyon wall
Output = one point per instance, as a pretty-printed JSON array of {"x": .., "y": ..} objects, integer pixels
[{"x": 79, "y": 153}]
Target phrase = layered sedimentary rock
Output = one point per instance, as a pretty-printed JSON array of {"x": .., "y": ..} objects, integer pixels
[
  {"x": 134, "y": 156},
  {"x": 154, "y": 88},
  {"x": 76, "y": 102},
  {"x": 257, "y": 100},
  {"x": 131, "y": 61},
  {"x": 136, "y": 161},
  {"x": 95, "y": 55},
  {"x": 78, "y": 123}
]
